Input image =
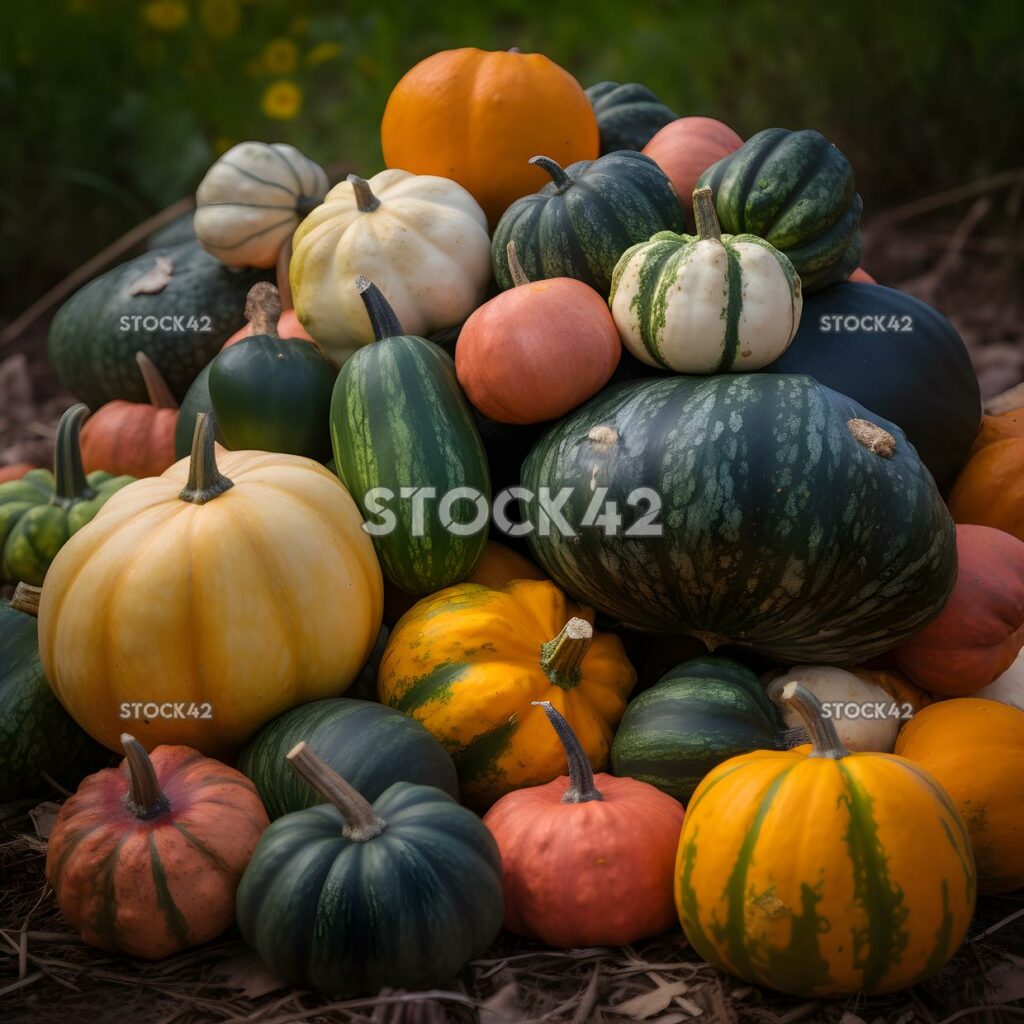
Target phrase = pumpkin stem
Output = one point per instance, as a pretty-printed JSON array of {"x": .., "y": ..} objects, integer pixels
[
  {"x": 581, "y": 775},
  {"x": 558, "y": 176},
  {"x": 281, "y": 271},
  {"x": 515, "y": 268},
  {"x": 205, "y": 480},
  {"x": 361, "y": 821},
  {"x": 263, "y": 308},
  {"x": 69, "y": 477},
  {"x": 156, "y": 387},
  {"x": 560, "y": 658},
  {"x": 366, "y": 201},
  {"x": 704, "y": 215},
  {"x": 26, "y": 599},
  {"x": 144, "y": 798},
  {"x": 825, "y": 741},
  {"x": 382, "y": 317}
]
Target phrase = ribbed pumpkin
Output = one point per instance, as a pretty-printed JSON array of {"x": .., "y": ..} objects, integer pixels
[
  {"x": 145, "y": 859},
  {"x": 348, "y": 897},
  {"x": 627, "y": 115},
  {"x": 705, "y": 303},
  {"x": 586, "y": 861},
  {"x": 133, "y": 438},
  {"x": 585, "y": 218},
  {"x": 500, "y": 564},
  {"x": 819, "y": 872},
  {"x": 249, "y": 592},
  {"x": 975, "y": 748},
  {"x": 980, "y": 631},
  {"x": 468, "y": 662},
  {"x": 538, "y": 350},
  {"x": 477, "y": 117}
]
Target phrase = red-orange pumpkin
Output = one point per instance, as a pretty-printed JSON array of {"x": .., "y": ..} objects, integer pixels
[
  {"x": 15, "y": 471},
  {"x": 587, "y": 860},
  {"x": 133, "y": 438},
  {"x": 145, "y": 859},
  {"x": 980, "y": 631},
  {"x": 288, "y": 326},
  {"x": 861, "y": 275}
]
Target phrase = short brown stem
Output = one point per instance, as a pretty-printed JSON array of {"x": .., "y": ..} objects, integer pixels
[
  {"x": 26, "y": 599},
  {"x": 205, "y": 480},
  {"x": 515, "y": 268},
  {"x": 825, "y": 741},
  {"x": 156, "y": 387},
  {"x": 263, "y": 308},
  {"x": 560, "y": 658},
  {"x": 144, "y": 798},
  {"x": 581, "y": 774},
  {"x": 558, "y": 176},
  {"x": 366, "y": 201},
  {"x": 704, "y": 215}
]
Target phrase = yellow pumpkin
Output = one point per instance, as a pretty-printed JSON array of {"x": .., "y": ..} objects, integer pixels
[
  {"x": 819, "y": 872},
  {"x": 469, "y": 661},
  {"x": 201, "y": 605}
]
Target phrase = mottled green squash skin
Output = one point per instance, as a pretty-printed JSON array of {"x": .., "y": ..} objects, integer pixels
[
  {"x": 628, "y": 115},
  {"x": 367, "y": 744},
  {"x": 581, "y": 223},
  {"x": 780, "y": 530},
  {"x": 795, "y": 190},
  {"x": 697, "y": 715},
  {"x": 197, "y": 400},
  {"x": 406, "y": 909}
]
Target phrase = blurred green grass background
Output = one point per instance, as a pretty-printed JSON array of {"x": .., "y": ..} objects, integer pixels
[{"x": 111, "y": 110}]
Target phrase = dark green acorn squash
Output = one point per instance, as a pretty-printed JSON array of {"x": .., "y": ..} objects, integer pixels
[
  {"x": 697, "y": 715},
  {"x": 346, "y": 898},
  {"x": 197, "y": 400},
  {"x": 793, "y": 521},
  {"x": 628, "y": 115},
  {"x": 899, "y": 358},
  {"x": 399, "y": 420},
  {"x": 371, "y": 745},
  {"x": 590, "y": 214},
  {"x": 178, "y": 305},
  {"x": 795, "y": 190}
]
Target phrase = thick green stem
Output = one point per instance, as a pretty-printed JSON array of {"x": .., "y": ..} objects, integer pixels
[
  {"x": 382, "y": 317},
  {"x": 144, "y": 798},
  {"x": 366, "y": 201},
  {"x": 515, "y": 268},
  {"x": 26, "y": 599},
  {"x": 581, "y": 775},
  {"x": 205, "y": 480},
  {"x": 560, "y": 658},
  {"x": 704, "y": 215},
  {"x": 825, "y": 741},
  {"x": 69, "y": 477},
  {"x": 361, "y": 821},
  {"x": 558, "y": 176},
  {"x": 263, "y": 309},
  {"x": 156, "y": 387}
]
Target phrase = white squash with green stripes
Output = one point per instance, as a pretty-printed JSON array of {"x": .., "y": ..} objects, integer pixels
[{"x": 705, "y": 303}]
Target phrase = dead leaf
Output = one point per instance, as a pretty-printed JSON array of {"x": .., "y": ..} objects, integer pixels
[
  {"x": 503, "y": 1007},
  {"x": 1004, "y": 983},
  {"x": 647, "y": 1004},
  {"x": 249, "y": 975},
  {"x": 43, "y": 817},
  {"x": 156, "y": 279}
]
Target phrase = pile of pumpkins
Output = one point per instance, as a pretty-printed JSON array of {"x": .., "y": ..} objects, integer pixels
[{"x": 551, "y": 288}]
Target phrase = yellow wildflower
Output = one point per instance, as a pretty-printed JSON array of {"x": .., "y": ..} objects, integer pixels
[
  {"x": 220, "y": 17},
  {"x": 322, "y": 53},
  {"x": 282, "y": 100},
  {"x": 279, "y": 56},
  {"x": 165, "y": 15}
]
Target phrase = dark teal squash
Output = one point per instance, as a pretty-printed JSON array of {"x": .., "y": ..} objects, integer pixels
[
  {"x": 179, "y": 319},
  {"x": 628, "y": 115},
  {"x": 899, "y": 358},
  {"x": 370, "y": 745},
  {"x": 346, "y": 898},
  {"x": 697, "y": 715},
  {"x": 197, "y": 400},
  {"x": 590, "y": 214},
  {"x": 795, "y": 190},
  {"x": 781, "y": 529},
  {"x": 399, "y": 420}
]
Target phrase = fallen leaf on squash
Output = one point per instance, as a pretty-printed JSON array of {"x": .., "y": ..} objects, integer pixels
[{"x": 156, "y": 279}]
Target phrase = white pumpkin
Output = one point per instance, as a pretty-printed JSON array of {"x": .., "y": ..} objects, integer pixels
[
  {"x": 706, "y": 303},
  {"x": 1007, "y": 688},
  {"x": 252, "y": 199},
  {"x": 421, "y": 239}
]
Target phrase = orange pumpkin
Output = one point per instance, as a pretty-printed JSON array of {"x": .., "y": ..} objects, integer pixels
[
  {"x": 980, "y": 631},
  {"x": 861, "y": 276},
  {"x": 288, "y": 326},
  {"x": 15, "y": 471},
  {"x": 133, "y": 438},
  {"x": 499, "y": 565},
  {"x": 686, "y": 148},
  {"x": 1005, "y": 427},
  {"x": 587, "y": 860},
  {"x": 975, "y": 749},
  {"x": 477, "y": 117},
  {"x": 145, "y": 859}
]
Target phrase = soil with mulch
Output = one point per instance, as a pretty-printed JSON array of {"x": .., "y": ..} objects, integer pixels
[{"x": 962, "y": 252}]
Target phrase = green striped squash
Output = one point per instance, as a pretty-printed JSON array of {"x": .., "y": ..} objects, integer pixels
[
  {"x": 399, "y": 420},
  {"x": 697, "y": 715},
  {"x": 795, "y": 190},
  {"x": 585, "y": 219},
  {"x": 628, "y": 115},
  {"x": 792, "y": 520}
]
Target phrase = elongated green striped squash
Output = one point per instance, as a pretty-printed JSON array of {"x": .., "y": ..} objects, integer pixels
[
  {"x": 792, "y": 520},
  {"x": 697, "y": 715},
  {"x": 400, "y": 421}
]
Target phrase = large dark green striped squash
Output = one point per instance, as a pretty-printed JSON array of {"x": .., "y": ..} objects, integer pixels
[
  {"x": 795, "y": 190},
  {"x": 178, "y": 305},
  {"x": 899, "y": 358},
  {"x": 697, "y": 715},
  {"x": 586, "y": 218},
  {"x": 793, "y": 521},
  {"x": 628, "y": 115},
  {"x": 399, "y": 420},
  {"x": 370, "y": 745},
  {"x": 348, "y": 897}
]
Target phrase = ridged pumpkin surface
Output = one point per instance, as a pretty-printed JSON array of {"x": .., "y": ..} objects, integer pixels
[{"x": 990, "y": 488}]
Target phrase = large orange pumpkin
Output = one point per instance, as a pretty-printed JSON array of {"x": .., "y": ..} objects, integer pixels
[
  {"x": 477, "y": 117},
  {"x": 499, "y": 565},
  {"x": 980, "y": 631}
]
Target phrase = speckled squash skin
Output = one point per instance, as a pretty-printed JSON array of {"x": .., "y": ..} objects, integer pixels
[{"x": 628, "y": 115}]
